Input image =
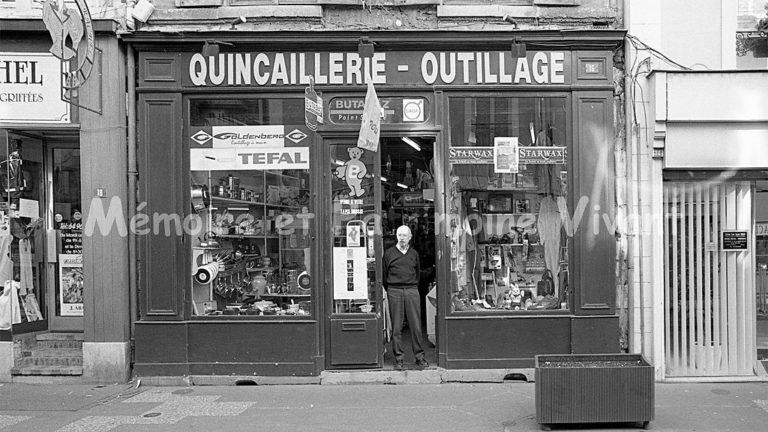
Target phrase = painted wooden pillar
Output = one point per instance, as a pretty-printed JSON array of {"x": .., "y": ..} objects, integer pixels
[{"x": 105, "y": 250}]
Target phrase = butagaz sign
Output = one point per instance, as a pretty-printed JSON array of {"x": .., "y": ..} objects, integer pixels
[
  {"x": 236, "y": 148},
  {"x": 398, "y": 68},
  {"x": 30, "y": 88}
]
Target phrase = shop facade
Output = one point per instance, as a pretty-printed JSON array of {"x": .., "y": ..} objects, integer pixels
[
  {"x": 62, "y": 136},
  {"x": 710, "y": 233},
  {"x": 263, "y": 222}
]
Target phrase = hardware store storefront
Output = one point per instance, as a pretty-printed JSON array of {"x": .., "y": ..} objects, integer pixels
[{"x": 265, "y": 220}]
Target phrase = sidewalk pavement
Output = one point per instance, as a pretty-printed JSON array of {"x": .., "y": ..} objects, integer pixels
[{"x": 465, "y": 407}]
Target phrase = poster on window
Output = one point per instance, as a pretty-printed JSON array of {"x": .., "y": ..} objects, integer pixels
[
  {"x": 350, "y": 274},
  {"x": 505, "y": 157},
  {"x": 71, "y": 284}
]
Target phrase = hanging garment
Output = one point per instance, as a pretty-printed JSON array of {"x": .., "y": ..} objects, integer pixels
[
  {"x": 26, "y": 280},
  {"x": 6, "y": 265},
  {"x": 549, "y": 226},
  {"x": 10, "y": 313},
  {"x": 387, "y": 317}
]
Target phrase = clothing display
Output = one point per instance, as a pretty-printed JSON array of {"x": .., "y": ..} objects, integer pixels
[
  {"x": 549, "y": 226},
  {"x": 26, "y": 280}
]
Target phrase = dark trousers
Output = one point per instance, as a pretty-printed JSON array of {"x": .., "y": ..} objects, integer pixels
[{"x": 404, "y": 302}]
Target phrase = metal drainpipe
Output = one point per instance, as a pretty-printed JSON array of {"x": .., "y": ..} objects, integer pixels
[
  {"x": 628, "y": 87},
  {"x": 132, "y": 174}
]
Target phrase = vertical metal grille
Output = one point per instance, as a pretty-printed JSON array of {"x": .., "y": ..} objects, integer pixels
[{"x": 709, "y": 294}]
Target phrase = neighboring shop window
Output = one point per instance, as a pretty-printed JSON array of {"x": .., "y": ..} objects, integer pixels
[
  {"x": 252, "y": 256},
  {"x": 21, "y": 231},
  {"x": 508, "y": 185}
]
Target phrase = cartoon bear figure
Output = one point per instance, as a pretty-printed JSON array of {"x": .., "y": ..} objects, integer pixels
[{"x": 353, "y": 172}]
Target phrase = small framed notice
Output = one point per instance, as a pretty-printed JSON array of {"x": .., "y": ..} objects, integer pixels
[{"x": 735, "y": 240}]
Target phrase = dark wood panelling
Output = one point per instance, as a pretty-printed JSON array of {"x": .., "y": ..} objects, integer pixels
[
  {"x": 161, "y": 342},
  {"x": 595, "y": 334},
  {"x": 225, "y": 348},
  {"x": 160, "y": 70},
  {"x": 492, "y": 341},
  {"x": 592, "y": 68},
  {"x": 160, "y": 369},
  {"x": 354, "y": 341},
  {"x": 594, "y": 240},
  {"x": 251, "y": 342},
  {"x": 163, "y": 280}
]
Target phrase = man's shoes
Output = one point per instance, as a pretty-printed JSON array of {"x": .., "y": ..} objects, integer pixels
[
  {"x": 399, "y": 365},
  {"x": 422, "y": 364}
]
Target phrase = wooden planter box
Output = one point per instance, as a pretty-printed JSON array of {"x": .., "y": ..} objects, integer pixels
[{"x": 594, "y": 388}]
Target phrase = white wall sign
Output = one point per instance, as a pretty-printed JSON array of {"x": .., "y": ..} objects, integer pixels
[
  {"x": 349, "y": 274},
  {"x": 30, "y": 89}
]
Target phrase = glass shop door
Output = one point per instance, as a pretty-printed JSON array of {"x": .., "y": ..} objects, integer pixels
[
  {"x": 65, "y": 224},
  {"x": 353, "y": 280}
]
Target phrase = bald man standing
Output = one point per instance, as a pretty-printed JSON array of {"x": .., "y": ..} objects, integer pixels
[{"x": 401, "y": 280}]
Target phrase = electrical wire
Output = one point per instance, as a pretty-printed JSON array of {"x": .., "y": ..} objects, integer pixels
[{"x": 635, "y": 41}]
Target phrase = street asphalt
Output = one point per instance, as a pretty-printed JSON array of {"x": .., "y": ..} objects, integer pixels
[{"x": 466, "y": 407}]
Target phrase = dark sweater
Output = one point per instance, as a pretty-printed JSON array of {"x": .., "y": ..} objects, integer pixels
[{"x": 401, "y": 269}]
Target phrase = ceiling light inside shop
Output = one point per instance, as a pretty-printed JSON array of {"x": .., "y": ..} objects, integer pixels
[
  {"x": 384, "y": 179},
  {"x": 411, "y": 143},
  {"x": 402, "y": 185}
]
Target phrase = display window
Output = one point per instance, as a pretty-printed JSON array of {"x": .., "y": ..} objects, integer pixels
[
  {"x": 251, "y": 190},
  {"x": 507, "y": 198}
]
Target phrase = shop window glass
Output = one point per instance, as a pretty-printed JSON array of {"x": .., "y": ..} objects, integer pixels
[
  {"x": 355, "y": 222},
  {"x": 252, "y": 255},
  {"x": 22, "y": 228},
  {"x": 508, "y": 184}
]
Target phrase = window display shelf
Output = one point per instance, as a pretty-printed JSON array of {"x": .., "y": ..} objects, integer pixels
[
  {"x": 234, "y": 201},
  {"x": 287, "y": 295}
]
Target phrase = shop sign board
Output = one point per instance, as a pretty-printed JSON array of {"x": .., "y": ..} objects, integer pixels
[
  {"x": 735, "y": 240},
  {"x": 249, "y": 136},
  {"x": 236, "y": 148},
  {"x": 349, "y": 110},
  {"x": 542, "y": 155},
  {"x": 313, "y": 107},
  {"x": 264, "y": 69},
  {"x": 761, "y": 229},
  {"x": 470, "y": 155},
  {"x": 31, "y": 88},
  {"x": 71, "y": 284},
  {"x": 349, "y": 273}
]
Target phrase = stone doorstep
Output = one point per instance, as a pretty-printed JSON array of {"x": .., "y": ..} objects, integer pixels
[
  {"x": 55, "y": 352},
  {"x": 50, "y": 361},
  {"x": 60, "y": 336},
  {"x": 47, "y": 370},
  {"x": 60, "y": 344}
]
